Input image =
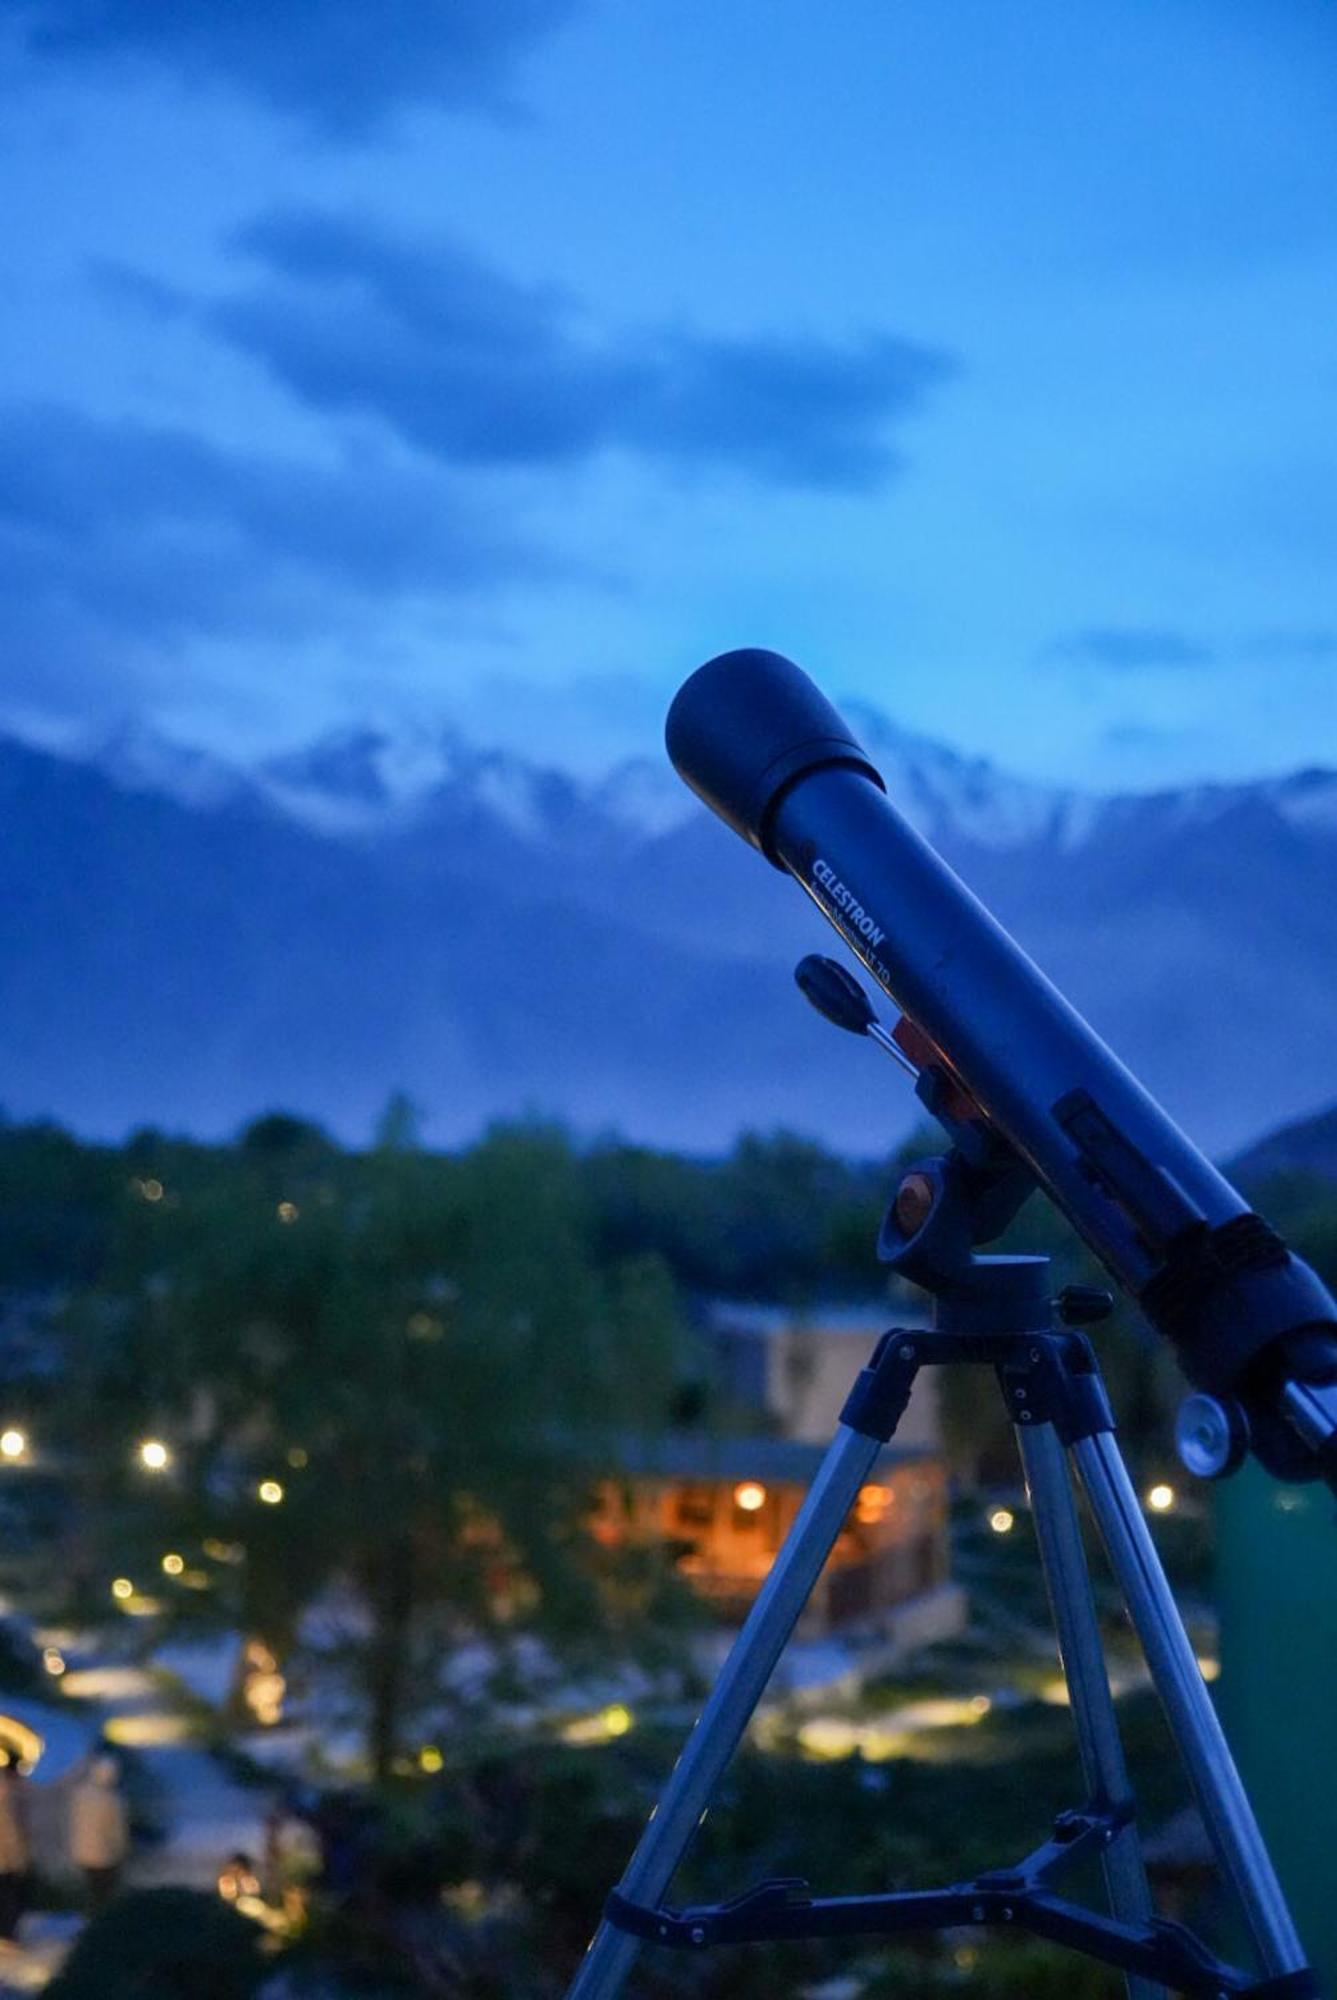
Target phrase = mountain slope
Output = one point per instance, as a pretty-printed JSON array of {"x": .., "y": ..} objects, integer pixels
[{"x": 1308, "y": 1147}]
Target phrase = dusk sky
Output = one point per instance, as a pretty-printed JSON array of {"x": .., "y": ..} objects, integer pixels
[{"x": 502, "y": 359}]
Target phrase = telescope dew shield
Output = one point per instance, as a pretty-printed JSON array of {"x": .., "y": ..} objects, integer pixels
[{"x": 766, "y": 751}]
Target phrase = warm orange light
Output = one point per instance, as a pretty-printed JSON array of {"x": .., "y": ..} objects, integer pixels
[
  {"x": 749, "y": 1496},
  {"x": 288, "y": 1211},
  {"x": 872, "y": 1504},
  {"x": 270, "y": 1492},
  {"x": 1002, "y": 1520},
  {"x": 13, "y": 1444},
  {"x": 122, "y": 1589},
  {"x": 173, "y": 1565},
  {"x": 1161, "y": 1499},
  {"x": 154, "y": 1455}
]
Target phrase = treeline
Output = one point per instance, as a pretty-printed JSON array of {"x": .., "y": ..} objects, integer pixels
[
  {"x": 778, "y": 1218},
  {"x": 528, "y": 1214}
]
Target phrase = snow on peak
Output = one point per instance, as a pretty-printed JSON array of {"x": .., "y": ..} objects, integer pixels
[
  {"x": 1307, "y": 799},
  {"x": 138, "y": 758},
  {"x": 376, "y": 779},
  {"x": 646, "y": 796},
  {"x": 379, "y": 779},
  {"x": 940, "y": 790}
]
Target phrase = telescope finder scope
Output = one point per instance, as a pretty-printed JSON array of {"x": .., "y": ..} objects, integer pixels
[{"x": 1250, "y": 1321}]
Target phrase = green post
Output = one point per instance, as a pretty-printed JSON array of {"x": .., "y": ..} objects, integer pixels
[{"x": 1277, "y": 1590}]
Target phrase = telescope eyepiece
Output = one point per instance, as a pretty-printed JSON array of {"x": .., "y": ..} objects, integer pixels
[{"x": 745, "y": 727}]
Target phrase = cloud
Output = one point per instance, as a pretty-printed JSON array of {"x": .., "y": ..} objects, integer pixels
[
  {"x": 341, "y": 66},
  {"x": 1139, "y": 736},
  {"x": 462, "y": 362},
  {"x": 1129, "y": 648},
  {"x": 122, "y": 541}
]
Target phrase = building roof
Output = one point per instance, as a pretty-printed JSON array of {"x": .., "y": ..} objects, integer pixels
[
  {"x": 697, "y": 1455},
  {"x": 871, "y": 1318}
]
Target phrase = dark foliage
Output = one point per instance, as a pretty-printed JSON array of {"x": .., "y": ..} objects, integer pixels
[{"x": 164, "y": 1944}]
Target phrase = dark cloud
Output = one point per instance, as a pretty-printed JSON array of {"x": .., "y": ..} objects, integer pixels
[
  {"x": 462, "y": 362},
  {"x": 123, "y": 285},
  {"x": 120, "y": 540},
  {"x": 1308, "y": 645},
  {"x": 1129, "y": 648},
  {"x": 340, "y": 65}
]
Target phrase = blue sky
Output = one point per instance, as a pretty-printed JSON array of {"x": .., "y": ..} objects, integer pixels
[{"x": 502, "y": 360}]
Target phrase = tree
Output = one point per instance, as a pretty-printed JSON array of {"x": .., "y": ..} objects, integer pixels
[{"x": 372, "y": 1372}]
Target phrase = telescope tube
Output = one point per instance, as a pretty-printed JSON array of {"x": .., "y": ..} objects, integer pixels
[{"x": 767, "y": 752}]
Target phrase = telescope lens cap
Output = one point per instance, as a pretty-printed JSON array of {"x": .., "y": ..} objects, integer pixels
[{"x": 745, "y": 727}]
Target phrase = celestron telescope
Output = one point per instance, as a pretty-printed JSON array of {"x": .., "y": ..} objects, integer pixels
[{"x": 1029, "y": 1097}]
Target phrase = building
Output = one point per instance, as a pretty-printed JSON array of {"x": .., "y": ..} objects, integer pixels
[{"x": 725, "y": 1501}]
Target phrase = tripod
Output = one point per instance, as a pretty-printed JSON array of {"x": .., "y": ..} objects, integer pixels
[{"x": 996, "y": 1311}]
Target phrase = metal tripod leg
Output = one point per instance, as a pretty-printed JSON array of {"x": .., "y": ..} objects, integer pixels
[
  {"x": 729, "y": 1709},
  {"x": 1068, "y": 1582},
  {"x": 1174, "y": 1670}
]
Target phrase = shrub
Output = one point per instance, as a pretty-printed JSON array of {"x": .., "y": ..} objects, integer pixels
[{"x": 156, "y": 1944}]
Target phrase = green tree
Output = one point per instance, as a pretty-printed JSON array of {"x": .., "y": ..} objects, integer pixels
[{"x": 387, "y": 1376}]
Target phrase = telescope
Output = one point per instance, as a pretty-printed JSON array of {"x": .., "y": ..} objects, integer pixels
[
  {"x": 1254, "y": 1328},
  {"x": 1029, "y": 1097}
]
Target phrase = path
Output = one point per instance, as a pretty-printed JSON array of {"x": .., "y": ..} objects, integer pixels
[{"x": 207, "y": 1815}]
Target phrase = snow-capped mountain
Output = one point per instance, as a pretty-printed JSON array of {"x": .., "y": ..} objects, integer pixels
[
  {"x": 187, "y": 941},
  {"x": 377, "y": 780},
  {"x": 382, "y": 779}
]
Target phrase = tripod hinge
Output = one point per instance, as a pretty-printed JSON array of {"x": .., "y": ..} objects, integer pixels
[
  {"x": 1053, "y": 1379},
  {"x": 876, "y": 1403}
]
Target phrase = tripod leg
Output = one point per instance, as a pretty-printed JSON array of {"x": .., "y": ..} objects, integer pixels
[
  {"x": 729, "y": 1709},
  {"x": 1221, "y": 1797},
  {"x": 1068, "y": 1582}
]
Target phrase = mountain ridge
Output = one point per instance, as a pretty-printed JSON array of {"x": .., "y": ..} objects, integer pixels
[
  {"x": 178, "y": 945},
  {"x": 380, "y": 775}
]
